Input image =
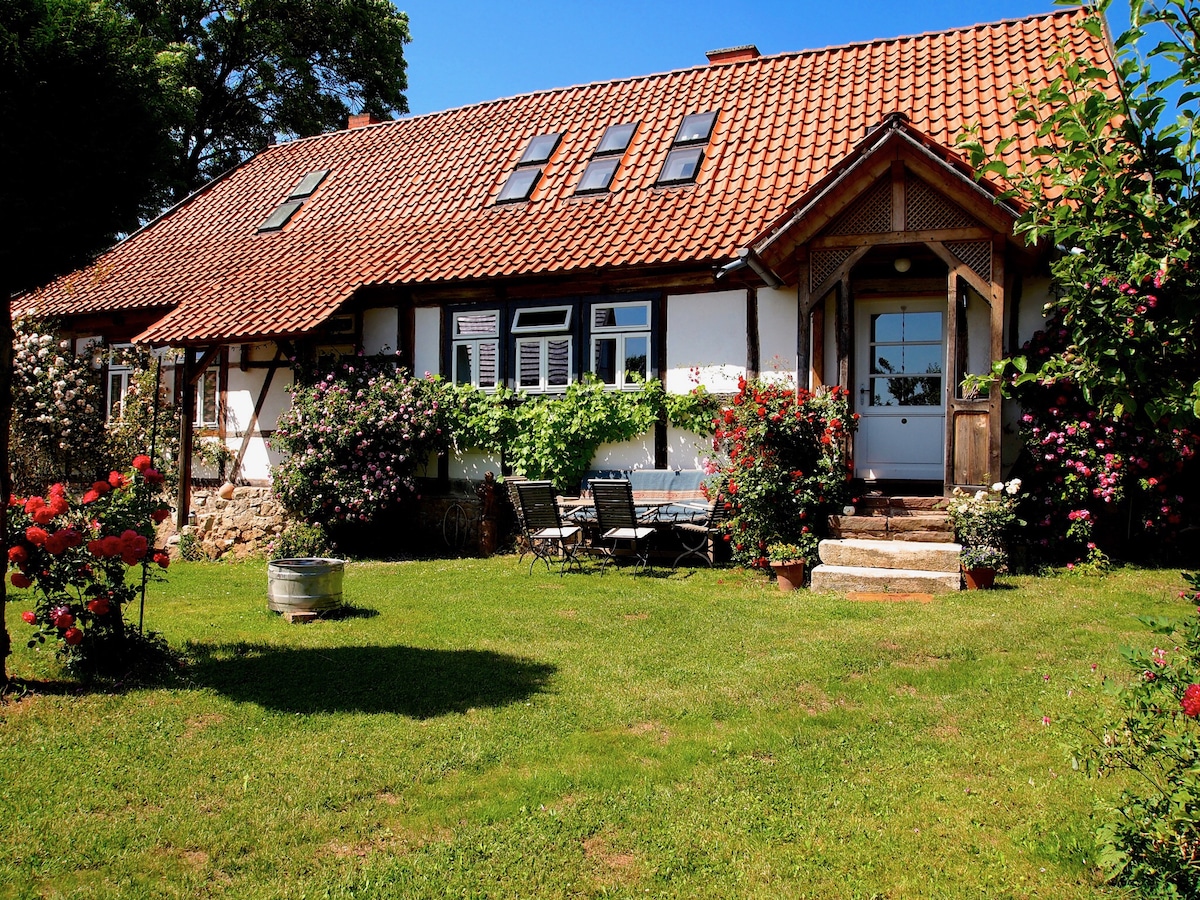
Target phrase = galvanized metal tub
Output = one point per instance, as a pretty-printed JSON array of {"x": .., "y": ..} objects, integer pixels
[{"x": 307, "y": 584}]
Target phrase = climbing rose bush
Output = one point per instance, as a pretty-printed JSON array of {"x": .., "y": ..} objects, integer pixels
[
  {"x": 354, "y": 440},
  {"x": 1150, "y": 838},
  {"x": 74, "y": 557},
  {"x": 786, "y": 466}
]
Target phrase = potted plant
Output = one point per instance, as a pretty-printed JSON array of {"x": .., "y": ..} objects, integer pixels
[
  {"x": 983, "y": 522},
  {"x": 788, "y": 561}
]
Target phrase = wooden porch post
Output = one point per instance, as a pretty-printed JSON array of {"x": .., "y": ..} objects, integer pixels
[
  {"x": 845, "y": 330},
  {"x": 187, "y": 403}
]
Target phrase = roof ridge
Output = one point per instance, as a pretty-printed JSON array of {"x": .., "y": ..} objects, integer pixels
[{"x": 649, "y": 76}]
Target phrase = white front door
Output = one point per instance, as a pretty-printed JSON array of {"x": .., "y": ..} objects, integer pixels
[{"x": 901, "y": 362}]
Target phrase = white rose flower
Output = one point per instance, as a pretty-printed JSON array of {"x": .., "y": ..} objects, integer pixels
[
  {"x": 981, "y": 495},
  {"x": 1013, "y": 487},
  {"x": 998, "y": 486}
]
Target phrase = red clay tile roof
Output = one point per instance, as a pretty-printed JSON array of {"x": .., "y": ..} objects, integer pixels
[{"x": 412, "y": 201}]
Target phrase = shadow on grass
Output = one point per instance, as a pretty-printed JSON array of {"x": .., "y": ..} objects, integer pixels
[{"x": 408, "y": 681}]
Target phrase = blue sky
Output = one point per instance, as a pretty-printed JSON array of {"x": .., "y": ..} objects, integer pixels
[{"x": 468, "y": 51}]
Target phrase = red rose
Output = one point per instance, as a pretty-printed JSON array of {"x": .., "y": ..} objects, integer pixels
[
  {"x": 29, "y": 616},
  {"x": 18, "y": 555},
  {"x": 19, "y": 580},
  {"x": 160, "y": 515},
  {"x": 153, "y": 476},
  {"x": 36, "y": 536},
  {"x": 116, "y": 479},
  {"x": 99, "y": 607},
  {"x": 64, "y": 620},
  {"x": 1191, "y": 701},
  {"x": 162, "y": 559},
  {"x": 141, "y": 462},
  {"x": 73, "y": 636}
]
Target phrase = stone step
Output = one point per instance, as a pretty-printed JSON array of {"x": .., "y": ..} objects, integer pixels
[
  {"x": 929, "y": 556},
  {"x": 843, "y": 579},
  {"x": 877, "y": 503},
  {"x": 909, "y": 526}
]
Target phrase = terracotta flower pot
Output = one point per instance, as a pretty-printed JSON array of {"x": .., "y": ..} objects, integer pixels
[
  {"x": 789, "y": 574},
  {"x": 979, "y": 579}
]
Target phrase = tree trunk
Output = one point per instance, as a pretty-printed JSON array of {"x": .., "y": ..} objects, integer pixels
[{"x": 6, "y": 377}]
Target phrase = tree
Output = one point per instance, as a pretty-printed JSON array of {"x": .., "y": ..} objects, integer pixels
[
  {"x": 82, "y": 98},
  {"x": 1115, "y": 186},
  {"x": 1117, "y": 369},
  {"x": 259, "y": 69}
]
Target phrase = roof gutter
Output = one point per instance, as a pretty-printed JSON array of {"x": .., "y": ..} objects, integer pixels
[{"x": 748, "y": 259}]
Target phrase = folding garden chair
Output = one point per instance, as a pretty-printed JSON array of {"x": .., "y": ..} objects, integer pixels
[
  {"x": 618, "y": 521},
  {"x": 545, "y": 534}
]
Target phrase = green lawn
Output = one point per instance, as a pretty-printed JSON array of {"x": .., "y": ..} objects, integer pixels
[{"x": 474, "y": 731}]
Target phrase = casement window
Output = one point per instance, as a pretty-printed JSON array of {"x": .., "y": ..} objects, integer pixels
[
  {"x": 119, "y": 376},
  {"x": 621, "y": 343},
  {"x": 687, "y": 150},
  {"x": 475, "y": 348},
  {"x": 207, "y": 394},
  {"x": 528, "y": 173},
  {"x": 543, "y": 348}
]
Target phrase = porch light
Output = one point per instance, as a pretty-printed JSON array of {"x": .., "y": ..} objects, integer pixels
[{"x": 902, "y": 264}]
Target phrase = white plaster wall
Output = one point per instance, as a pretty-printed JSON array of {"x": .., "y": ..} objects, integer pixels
[
  {"x": 708, "y": 332},
  {"x": 427, "y": 345},
  {"x": 686, "y": 450},
  {"x": 1030, "y": 315},
  {"x": 471, "y": 466},
  {"x": 380, "y": 330},
  {"x": 830, "y": 375},
  {"x": 979, "y": 328},
  {"x": 777, "y": 333},
  {"x": 635, "y": 454},
  {"x": 241, "y": 393}
]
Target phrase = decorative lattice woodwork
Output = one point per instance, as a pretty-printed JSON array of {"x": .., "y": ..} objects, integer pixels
[
  {"x": 976, "y": 254},
  {"x": 926, "y": 209},
  {"x": 823, "y": 263},
  {"x": 871, "y": 214}
]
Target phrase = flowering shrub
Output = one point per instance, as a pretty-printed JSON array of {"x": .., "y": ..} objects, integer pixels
[
  {"x": 74, "y": 557},
  {"x": 354, "y": 440},
  {"x": 787, "y": 466},
  {"x": 1096, "y": 477},
  {"x": 58, "y": 415},
  {"x": 1151, "y": 839},
  {"x": 983, "y": 523}
]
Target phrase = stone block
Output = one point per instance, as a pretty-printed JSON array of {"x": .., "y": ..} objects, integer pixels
[
  {"x": 844, "y": 579},
  {"x": 928, "y": 557}
]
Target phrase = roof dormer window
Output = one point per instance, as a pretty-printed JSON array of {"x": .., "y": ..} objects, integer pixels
[
  {"x": 284, "y": 211},
  {"x": 687, "y": 150},
  {"x": 528, "y": 173},
  {"x": 600, "y": 171}
]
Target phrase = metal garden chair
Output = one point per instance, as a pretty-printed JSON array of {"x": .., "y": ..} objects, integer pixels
[
  {"x": 545, "y": 535},
  {"x": 618, "y": 521},
  {"x": 697, "y": 535}
]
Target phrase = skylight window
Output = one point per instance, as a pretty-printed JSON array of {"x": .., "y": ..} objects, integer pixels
[
  {"x": 696, "y": 128},
  {"x": 687, "y": 151},
  {"x": 616, "y": 138},
  {"x": 528, "y": 172},
  {"x": 598, "y": 175},
  {"x": 284, "y": 211},
  {"x": 600, "y": 171}
]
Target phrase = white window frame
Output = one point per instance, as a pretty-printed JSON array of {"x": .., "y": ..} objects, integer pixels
[
  {"x": 201, "y": 418},
  {"x": 563, "y": 327},
  {"x": 474, "y": 343},
  {"x": 543, "y": 344},
  {"x": 124, "y": 373},
  {"x": 619, "y": 333}
]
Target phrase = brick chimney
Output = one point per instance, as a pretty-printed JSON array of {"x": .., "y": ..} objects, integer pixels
[
  {"x": 732, "y": 54},
  {"x": 362, "y": 120}
]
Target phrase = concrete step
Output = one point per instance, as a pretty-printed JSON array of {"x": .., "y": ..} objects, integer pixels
[
  {"x": 843, "y": 579},
  {"x": 882, "y": 554}
]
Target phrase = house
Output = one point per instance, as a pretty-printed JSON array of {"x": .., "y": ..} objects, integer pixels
[{"x": 804, "y": 213}]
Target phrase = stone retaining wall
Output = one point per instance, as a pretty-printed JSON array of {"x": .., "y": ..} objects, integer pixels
[{"x": 242, "y": 526}]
